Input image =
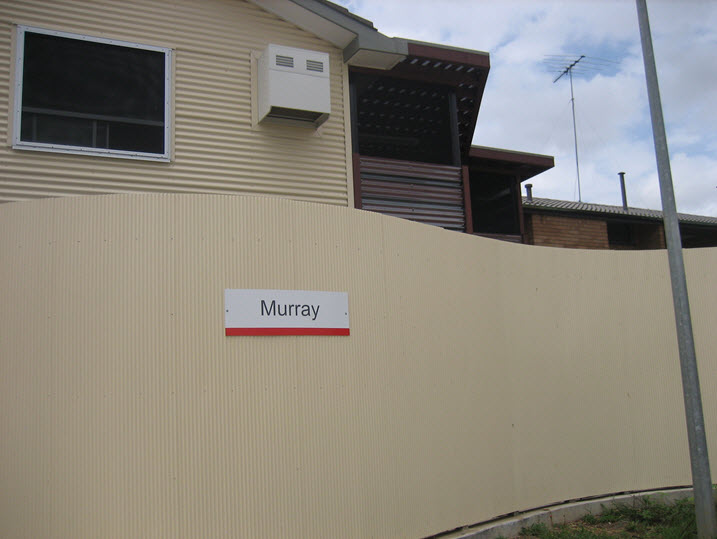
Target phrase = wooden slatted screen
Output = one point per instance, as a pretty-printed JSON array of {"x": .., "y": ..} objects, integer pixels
[{"x": 427, "y": 193}]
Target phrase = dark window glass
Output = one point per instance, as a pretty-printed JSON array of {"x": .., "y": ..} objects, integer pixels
[
  {"x": 620, "y": 234},
  {"x": 83, "y": 93},
  {"x": 494, "y": 203}
]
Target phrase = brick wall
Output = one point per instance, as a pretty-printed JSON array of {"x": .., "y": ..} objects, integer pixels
[{"x": 570, "y": 232}]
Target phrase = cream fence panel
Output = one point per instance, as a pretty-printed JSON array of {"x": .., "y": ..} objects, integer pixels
[{"x": 479, "y": 378}]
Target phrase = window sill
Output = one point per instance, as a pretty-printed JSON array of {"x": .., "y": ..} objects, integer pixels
[{"x": 96, "y": 152}]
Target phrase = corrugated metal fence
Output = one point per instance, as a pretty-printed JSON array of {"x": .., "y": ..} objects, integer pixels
[{"x": 480, "y": 377}]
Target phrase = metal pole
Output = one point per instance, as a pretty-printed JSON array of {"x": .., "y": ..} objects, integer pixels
[
  {"x": 569, "y": 71},
  {"x": 575, "y": 132},
  {"x": 701, "y": 479}
]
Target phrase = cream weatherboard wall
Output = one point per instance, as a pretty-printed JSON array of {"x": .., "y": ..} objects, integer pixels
[
  {"x": 480, "y": 377},
  {"x": 216, "y": 147}
]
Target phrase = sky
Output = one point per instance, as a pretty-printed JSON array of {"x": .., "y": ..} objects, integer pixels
[{"x": 524, "y": 110}]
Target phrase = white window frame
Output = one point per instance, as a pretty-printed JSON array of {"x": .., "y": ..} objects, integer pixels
[{"x": 81, "y": 150}]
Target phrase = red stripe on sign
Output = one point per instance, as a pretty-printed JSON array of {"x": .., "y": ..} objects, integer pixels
[{"x": 232, "y": 332}]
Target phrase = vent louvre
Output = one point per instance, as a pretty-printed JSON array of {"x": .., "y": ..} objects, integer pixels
[
  {"x": 314, "y": 65},
  {"x": 286, "y": 113},
  {"x": 284, "y": 61}
]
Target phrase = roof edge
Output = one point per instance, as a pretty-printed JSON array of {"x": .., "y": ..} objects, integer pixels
[
  {"x": 361, "y": 43},
  {"x": 567, "y": 206},
  {"x": 527, "y": 165},
  {"x": 448, "y": 53},
  {"x": 515, "y": 156}
]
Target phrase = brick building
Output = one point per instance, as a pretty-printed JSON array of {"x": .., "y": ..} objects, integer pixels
[{"x": 580, "y": 225}]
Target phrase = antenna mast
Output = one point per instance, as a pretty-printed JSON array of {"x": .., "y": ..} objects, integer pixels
[{"x": 569, "y": 71}]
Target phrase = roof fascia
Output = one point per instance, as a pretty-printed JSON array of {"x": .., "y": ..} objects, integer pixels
[
  {"x": 512, "y": 156},
  {"x": 534, "y": 163},
  {"x": 361, "y": 43},
  {"x": 375, "y": 51},
  {"x": 614, "y": 217},
  {"x": 604, "y": 211},
  {"x": 444, "y": 53}
]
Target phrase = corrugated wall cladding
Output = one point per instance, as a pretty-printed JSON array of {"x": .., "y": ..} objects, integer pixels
[
  {"x": 480, "y": 377},
  {"x": 215, "y": 149}
]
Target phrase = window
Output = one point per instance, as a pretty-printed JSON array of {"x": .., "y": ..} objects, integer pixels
[
  {"x": 620, "y": 234},
  {"x": 79, "y": 94}
]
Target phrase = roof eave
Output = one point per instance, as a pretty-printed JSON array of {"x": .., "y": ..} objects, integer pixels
[
  {"x": 375, "y": 51},
  {"x": 526, "y": 165},
  {"x": 436, "y": 51},
  {"x": 549, "y": 205},
  {"x": 360, "y": 42}
]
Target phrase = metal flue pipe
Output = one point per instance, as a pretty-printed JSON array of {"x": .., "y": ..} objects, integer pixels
[{"x": 624, "y": 191}]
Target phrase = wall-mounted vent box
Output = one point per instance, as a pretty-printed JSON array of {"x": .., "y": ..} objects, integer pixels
[{"x": 294, "y": 86}]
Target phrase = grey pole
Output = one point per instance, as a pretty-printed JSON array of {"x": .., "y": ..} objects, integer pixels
[
  {"x": 701, "y": 479},
  {"x": 569, "y": 71}
]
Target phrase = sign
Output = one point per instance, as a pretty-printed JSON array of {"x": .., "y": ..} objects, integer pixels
[{"x": 285, "y": 312}]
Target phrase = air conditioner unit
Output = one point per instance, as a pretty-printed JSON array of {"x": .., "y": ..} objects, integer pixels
[{"x": 293, "y": 86}]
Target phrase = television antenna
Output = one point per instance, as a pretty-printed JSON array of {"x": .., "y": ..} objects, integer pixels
[{"x": 565, "y": 65}]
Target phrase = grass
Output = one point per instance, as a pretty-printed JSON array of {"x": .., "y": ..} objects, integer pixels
[{"x": 645, "y": 520}]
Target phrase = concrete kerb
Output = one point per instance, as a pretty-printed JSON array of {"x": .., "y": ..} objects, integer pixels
[{"x": 562, "y": 514}]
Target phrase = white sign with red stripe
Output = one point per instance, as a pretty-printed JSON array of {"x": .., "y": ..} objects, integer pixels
[{"x": 285, "y": 312}]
